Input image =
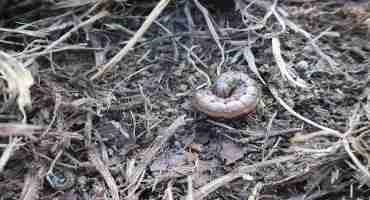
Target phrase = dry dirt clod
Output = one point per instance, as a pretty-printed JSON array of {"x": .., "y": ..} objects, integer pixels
[{"x": 234, "y": 94}]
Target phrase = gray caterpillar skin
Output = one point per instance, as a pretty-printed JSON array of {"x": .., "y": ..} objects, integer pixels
[{"x": 233, "y": 95}]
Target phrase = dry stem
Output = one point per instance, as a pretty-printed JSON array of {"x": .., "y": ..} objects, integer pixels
[{"x": 143, "y": 28}]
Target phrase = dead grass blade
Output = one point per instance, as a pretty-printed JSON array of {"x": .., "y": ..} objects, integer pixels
[
  {"x": 345, "y": 138},
  {"x": 312, "y": 41},
  {"x": 346, "y": 141},
  {"x": 104, "y": 171},
  {"x": 19, "y": 81},
  {"x": 8, "y": 153},
  {"x": 299, "y": 116},
  {"x": 203, "y": 73},
  {"x": 32, "y": 184},
  {"x": 238, "y": 173},
  {"x": 39, "y": 34},
  {"x": 213, "y": 33},
  {"x": 18, "y": 129},
  {"x": 74, "y": 29},
  {"x": 143, "y": 28},
  {"x": 249, "y": 57},
  {"x": 255, "y": 192},
  {"x": 73, "y": 3},
  {"x": 33, "y": 131},
  {"x": 149, "y": 154},
  {"x": 190, "y": 195},
  {"x": 204, "y": 191},
  {"x": 355, "y": 160},
  {"x": 168, "y": 193},
  {"x": 283, "y": 67},
  {"x": 279, "y": 14}
]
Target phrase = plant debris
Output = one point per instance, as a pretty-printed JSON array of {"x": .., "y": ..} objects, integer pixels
[{"x": 96, "y": 99}]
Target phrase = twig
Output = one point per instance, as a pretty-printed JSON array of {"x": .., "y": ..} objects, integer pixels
[
  {"x": 267, "y": 136},
  {"x": 25, "y": 32},
  {"x": 148, "y": 155},
  {"x": 346, "y": 143},
  {"x": 190, "y": 195},
  {"x": 88, "y": 129},
  {"x": 58, "y": 98},
  {"x": 255, "y": 191},
  {"x": 301, "y": 138},
  {"x": 289, "y": 109},
  {"x": 279, "y": 18},
  {"x": 282, "y": 65},
  {"x": 345, "y": 138},
  {"x": 55, "y": 50},
  {"x": 19, "y": 129},
  {"x": 249, "y": 57},
  {"x": 238, "y": 173},
  {"x": 213, "y": 33},
  {"x": 8, "y": 153},
  {"x": 202, "y": 192},
  {"x": 32, "y": 184},
  {"x": 169, "y": 194},
  {"x": 355, "y": 159},
  {"x": 147, "y": 106},
  {"x": 190, "y": 54},
  {"x": 74, "y": 29},
  {"x": 312, "y": 41},
  {"x": 255, "y": 167},
  {"x": 143, "y": 28},
  {"x": 265, "y": 5},
  {"x": 53, "y": 163},
  {"x": 208, "y": 80},
  {"x": 104, "y": 171}
]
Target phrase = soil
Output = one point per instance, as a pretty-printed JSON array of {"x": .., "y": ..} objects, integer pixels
[{"x": 133, "y": 132}]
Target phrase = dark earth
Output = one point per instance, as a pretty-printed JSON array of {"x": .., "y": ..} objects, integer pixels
[{"x": 133, "y": 133}]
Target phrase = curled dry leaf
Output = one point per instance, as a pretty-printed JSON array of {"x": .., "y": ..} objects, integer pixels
[
  {"x": 19, "y": 80},
  {"x": 234, "y": 94}
]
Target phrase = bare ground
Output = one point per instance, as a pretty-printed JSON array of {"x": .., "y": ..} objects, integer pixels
[{"x": 131, "y": 132}]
